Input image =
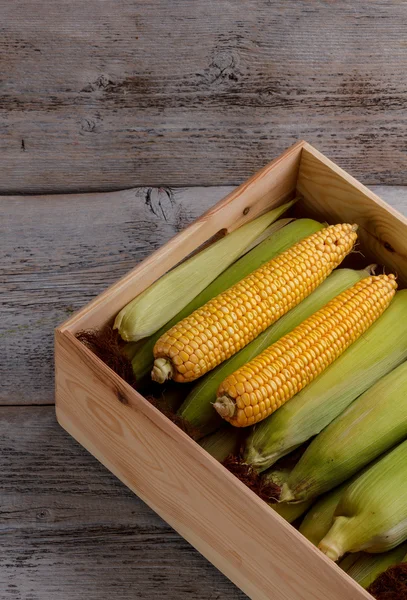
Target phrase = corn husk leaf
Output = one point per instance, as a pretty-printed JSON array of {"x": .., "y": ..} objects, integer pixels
[
  {"x": 160, "y": 302},
  {"x": 222, "y": 443},
  {"x": 365, "y": 568},
  {"x": 318, "y": 520},
  {"x": 382, "y": 348},
  {"x": 372, "y": 424},
  {"x": 291, "y": 512},
  {"x": 371, "y": 515}
]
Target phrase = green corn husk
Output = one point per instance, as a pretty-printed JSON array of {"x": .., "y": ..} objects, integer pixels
[
  {"x": 198, "y": 409},
  {"x": 382, "y": 348},
  {"x": 372, "y": 424},
  {"x": 222, "y": 443},
  {"x": 172, "y": 397},
  {"x": 289, "y": 512},
  {"x": 372, "y": 513},
  {"x": 131, "y": 348},
  {"x": 152, "y": 309},
  {"x": 367, "y": 567},
  {"x": 318, "y": 520},
  {"x": 279, "y": 475},
  {"x": 269, "y": 248},
  {"x": 271, "y": 230},
  {"x": 346, "y": 563}
]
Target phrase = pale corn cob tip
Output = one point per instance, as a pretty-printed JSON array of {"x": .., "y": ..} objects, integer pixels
[
  {"x": 227, "y": 323},
  {"x": 260, "y": 387}
]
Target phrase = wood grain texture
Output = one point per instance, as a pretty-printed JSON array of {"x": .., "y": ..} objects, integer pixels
[
  {"x": 329, "y": 192},
  {"x": 70, "y": 530},
  {"x": 54, "y": 262},
  {"x": 107, "y": 95},
  {"x": 206, "y": 504},
  {"x": 59, "y": 252}
]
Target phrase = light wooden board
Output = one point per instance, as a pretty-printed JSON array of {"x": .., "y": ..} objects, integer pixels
[
  {"x": 110, "y": 95},
  {"x": 206, "y": 504},
  {"x": 330, "y": 192},
  {"x": 70, "y": 530},
  {"x": 54, "y": 262}
]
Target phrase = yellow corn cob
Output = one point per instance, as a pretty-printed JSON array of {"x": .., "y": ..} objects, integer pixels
[
  {"x": 260, "y": 387},
  {"x": 230, "y": 321}
]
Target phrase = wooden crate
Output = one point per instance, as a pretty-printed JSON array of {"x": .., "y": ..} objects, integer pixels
[{"x": 252, "y": 545}]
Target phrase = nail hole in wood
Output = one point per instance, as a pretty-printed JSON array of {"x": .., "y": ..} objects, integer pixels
[{"x": 388, "y": 247}]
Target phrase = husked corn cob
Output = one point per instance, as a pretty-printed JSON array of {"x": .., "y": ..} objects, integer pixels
[
  {"x": 275, "y": 243},
  {"x": 197, "y": 407},
  {"x": 377, "y": 352},
  {"x": 372, "y": 513},
  {"x": 230, "y": 321},
  {"x": 367, "y": 567},
  {"x": 259, "y": 388},
  {"x": 372, "y": 424}
]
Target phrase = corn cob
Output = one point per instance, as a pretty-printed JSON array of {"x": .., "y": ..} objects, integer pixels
[
  {"x": 378, "y": 351},
  {"x": 259, "y": 388},
  {"x": 197, "y": 407},
  {"x": 279, "y": 241},
  {"x": 367, "y": 567},
  {"x": 373, "y": 423},
  {"x": 372, "y": 513},
  {"x": 166, "y": 297},
  {"x": 222, "y": 443},
  {"x": 230, "y": 321}
]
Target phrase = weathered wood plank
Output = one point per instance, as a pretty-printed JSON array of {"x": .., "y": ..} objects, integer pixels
[
  {"x": 61, "y": 251},
  {"x": 70, "y": 529},
  {"x": 113, "y": 95}
]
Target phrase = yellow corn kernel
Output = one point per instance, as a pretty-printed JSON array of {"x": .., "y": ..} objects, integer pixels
[
  {"x": 230, "y": 321},
  {"x": 295, "y": 360}
]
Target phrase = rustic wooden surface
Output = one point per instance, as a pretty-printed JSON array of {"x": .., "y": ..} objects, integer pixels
[
  {"x": 69, "y": 529},
  {"x": 107, "y": 95}
]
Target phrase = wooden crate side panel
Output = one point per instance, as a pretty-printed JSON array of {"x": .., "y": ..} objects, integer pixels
[
  {"x": 330, "y": 193},
  {"x": 267, "y": 189},
  {"x": 210, "y": 508}
]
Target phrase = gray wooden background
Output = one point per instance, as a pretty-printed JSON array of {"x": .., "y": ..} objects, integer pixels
[
  {"x": 111, "y": 94},
  {"x": 153, "y": 98}
]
